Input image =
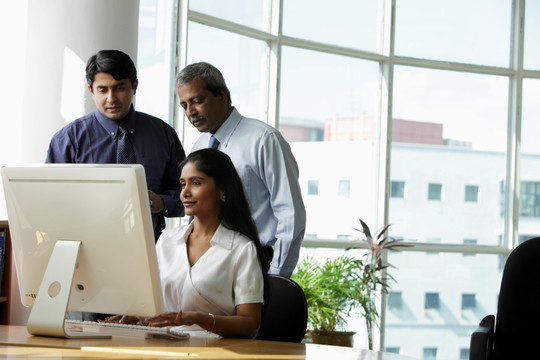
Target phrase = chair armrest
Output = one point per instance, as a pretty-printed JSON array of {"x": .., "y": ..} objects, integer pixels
[{"x": 482, "y": 339}]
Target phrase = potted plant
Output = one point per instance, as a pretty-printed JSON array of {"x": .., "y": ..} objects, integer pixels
[
  {"x": 331, "y": 290},
  {"x": 339, "y": 286},
  {"x": 376, "y": 279}
]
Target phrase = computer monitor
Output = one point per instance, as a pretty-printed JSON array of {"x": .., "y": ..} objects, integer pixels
[{"x": 82, "y": 240}]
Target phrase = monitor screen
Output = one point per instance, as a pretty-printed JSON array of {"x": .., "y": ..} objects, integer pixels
[{"x": 85, "y": 228}]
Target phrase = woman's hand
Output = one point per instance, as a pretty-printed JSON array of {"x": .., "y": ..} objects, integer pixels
[
  {"x": 173, "y": 319},
  {"x": 244, "y": 323},
  {"x": 124, "y": 319}
]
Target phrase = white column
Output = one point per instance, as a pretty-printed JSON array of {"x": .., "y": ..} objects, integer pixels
[
  {"x": 62, "y": 35},
  {"x": 45, "y": 46}
]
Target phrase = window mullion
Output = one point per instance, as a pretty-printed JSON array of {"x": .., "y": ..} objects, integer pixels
[
  {"x": 274, "y": 63},
  {"x": 511, "y": 235}
]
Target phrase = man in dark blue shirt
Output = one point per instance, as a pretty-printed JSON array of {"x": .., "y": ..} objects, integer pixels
[{"x": 112, "y": 81}]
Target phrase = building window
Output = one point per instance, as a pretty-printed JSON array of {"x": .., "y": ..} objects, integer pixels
[
  {"x": 432, "y": 301},
  {"x": 394, "y": 300},
  {"x": 392, "y": 349},
  {"x": 434, "y": 191},
  {"x": 397, "y": 189},
  {"x": 529, "y": 199},
  {"x": 468, "y": 301},
  {"x": 344, "y": 188},
  {"x": 464, "y": 353},
  {"x": 313, "y": 187},
  {"x": 429, "y": 353},
  {"x": 471, "y": 193}
]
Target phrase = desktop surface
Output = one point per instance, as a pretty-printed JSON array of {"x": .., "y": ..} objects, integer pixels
[{"x": 15, "y": 342}]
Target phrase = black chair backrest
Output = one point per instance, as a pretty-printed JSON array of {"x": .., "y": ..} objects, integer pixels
[
  {"x": 517, "y": 328},
  {"x": 284, "y": 314}
]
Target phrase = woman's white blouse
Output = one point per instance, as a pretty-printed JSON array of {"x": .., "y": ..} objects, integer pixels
[{"x": 228, "y": 274}]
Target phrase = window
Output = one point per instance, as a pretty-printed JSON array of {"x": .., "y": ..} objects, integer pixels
[
  {"x": 343, "y": 132},
  {"x": 341, "y": 20},
  {"x": 468, "y": 301},
  {"x": 397, "y": 189},
  {"x": 532, "y": 33},
  {"x": 434, "y": 191},
  {"x": 313, "y": 187},
  {"x": 251, "y": 13},
  {"x": 529, "y": 199},
  {"x": 464, "y": 353},
  {"x": 394, "y": 300},
  {"x": 431, "y": 301},
  {"x": 392, "y": 349},
  {"x": 154, "y": 58},
  {"x": 429, "y": 353},
  {"x": 471, "y": 44},
  {"x": 344, "y": 188},
  {"x": 329, "y": 98},
  {"x": 471, "y": 193}
]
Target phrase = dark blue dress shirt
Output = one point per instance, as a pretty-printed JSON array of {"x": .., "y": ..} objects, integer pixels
[{"x": 92, "y": 139}]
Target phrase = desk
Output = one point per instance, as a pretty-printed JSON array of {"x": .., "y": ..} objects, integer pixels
[{"x": 16, "y": 343}]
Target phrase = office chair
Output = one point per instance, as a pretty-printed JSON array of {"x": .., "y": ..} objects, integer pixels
[
  {"x": 516, "y": 332},
  {"x": 284, "y": 314}
]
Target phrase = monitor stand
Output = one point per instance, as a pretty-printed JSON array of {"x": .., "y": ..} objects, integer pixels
[{"x": 49, "y": 310}]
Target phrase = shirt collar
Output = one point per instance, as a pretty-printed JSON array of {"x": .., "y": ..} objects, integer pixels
[
  {"x": 112, "y": 125},
  {"x": 225, "y": 131},
  {"x": 222, "y": 237}
]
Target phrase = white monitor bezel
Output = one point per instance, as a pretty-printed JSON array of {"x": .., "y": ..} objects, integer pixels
[{"x": 116, "y": 264}]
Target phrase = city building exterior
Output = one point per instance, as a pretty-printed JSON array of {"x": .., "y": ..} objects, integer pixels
[{"x": 442, "y": 192}]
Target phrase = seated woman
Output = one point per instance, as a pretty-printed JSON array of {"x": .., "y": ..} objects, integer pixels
[{"x": 212, "y": 271}]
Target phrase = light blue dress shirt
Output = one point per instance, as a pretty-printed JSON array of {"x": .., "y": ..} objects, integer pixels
[{"x": 269, "y": 173}]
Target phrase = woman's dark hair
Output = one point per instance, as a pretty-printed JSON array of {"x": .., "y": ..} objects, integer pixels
[
  {"x": 114, "y": 62},
  {"x": 235, "y": 213}
]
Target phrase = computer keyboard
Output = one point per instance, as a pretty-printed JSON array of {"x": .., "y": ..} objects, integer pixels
[{"x": 169, "y": 332}]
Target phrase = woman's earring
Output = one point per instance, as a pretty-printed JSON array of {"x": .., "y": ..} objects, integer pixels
[{"x": 223, "y": 198}]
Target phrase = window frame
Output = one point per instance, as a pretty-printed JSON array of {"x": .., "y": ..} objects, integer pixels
[{"x": 387, "y": 61}]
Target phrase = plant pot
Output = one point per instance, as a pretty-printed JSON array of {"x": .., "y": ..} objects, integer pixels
[{"x": 339, "y": 338}]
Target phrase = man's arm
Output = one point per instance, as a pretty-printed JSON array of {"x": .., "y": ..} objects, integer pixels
[
  {"x": 60, "y": 150},
  {"x": 170, "y": 196},
  {"x": 281, "y": 177}
]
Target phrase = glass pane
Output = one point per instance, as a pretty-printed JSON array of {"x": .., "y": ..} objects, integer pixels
[
  {"x": 350, "y": 23},
  {"x": 244, "y": 68},
  {"x": 397, "y": 189},
  {"x": 254, "y": 14},
  {"x": 464, "y": 106},
  {"x": 443, "y": 298},
  {"x": 532, "y": 34},
  {"x": 336, "y": 97},
  {"x": 529, "y": 168},
  {"x": 154, "y": 55},
  {"x": 313, "y": 187},
  {"x": 471, "y": 193},
  {"x": 434, "y": 191},
  {"x": 456, "y": 30}
]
